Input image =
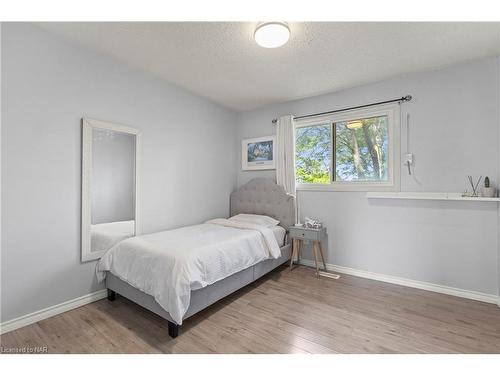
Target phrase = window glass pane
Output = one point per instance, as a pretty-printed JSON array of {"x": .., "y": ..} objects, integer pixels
[
  {"x": 361, "y": 149},
  {"x": 313, "y": 154}
]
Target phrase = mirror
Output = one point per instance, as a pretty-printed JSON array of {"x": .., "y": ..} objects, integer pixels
[{"x": 109, "y": 186}]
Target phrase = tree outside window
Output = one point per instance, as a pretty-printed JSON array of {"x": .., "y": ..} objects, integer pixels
[{"x": 360, "y": 148}]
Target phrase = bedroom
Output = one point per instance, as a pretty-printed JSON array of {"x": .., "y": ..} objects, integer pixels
[{"x": 324, "y": 202}]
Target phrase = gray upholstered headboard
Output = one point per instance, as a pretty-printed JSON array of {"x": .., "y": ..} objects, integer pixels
[{"x": 262, "y": 196}]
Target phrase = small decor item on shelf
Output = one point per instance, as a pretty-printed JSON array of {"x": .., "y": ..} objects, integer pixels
[
  {"x": 312, "y": 223},
  {"x": 488, "y": 191},
  {"x": 474, "y": 187}
]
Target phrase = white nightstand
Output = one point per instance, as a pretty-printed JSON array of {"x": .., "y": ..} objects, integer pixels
[{"x": 298, "y": 234}]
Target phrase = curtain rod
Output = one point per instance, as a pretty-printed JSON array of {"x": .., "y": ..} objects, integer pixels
[{"x": 406, "y": 98}]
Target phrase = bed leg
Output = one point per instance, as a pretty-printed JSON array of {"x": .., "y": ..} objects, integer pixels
[
  {"x": 173, "y": 330},
  {"x": 111, "y": 295}
]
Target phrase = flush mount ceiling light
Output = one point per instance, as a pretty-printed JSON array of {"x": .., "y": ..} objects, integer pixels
[
  {"x": 355, "y": 124},
  {"x": 271, "y": 34}
]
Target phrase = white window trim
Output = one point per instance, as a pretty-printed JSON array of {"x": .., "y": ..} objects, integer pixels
[{"x": 392, "y": 111}]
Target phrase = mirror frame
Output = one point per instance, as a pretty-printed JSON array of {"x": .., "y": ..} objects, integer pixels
[{"x": 88, "y": 125}]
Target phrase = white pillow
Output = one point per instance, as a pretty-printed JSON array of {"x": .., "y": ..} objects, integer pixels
[{"x": 263, "y": 220}]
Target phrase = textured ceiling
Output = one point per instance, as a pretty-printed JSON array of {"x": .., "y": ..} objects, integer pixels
[{"x": 221, "y": 61}]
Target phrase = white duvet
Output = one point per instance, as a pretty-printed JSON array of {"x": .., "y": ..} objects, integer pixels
[
  {"x": 104, "y": 236},
  {"x": 168, "y": 265}
]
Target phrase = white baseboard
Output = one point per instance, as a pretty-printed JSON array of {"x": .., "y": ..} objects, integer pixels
[
  {"x": 36, "y": 316},
  {"x": 478, "y": 296}
]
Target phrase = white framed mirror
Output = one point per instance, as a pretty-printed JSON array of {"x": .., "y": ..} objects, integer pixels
[{"x": 110, "y": 186}]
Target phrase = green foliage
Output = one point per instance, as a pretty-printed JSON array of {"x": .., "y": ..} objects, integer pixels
[
  {"x": 313, "y": 156},
  {"x": 360, "y": 151}
]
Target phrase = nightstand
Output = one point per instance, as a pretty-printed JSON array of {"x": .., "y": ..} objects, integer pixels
[{"x": 298, "y": 234}]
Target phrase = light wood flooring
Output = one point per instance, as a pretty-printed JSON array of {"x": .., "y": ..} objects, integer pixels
[{"x": 284, "y": 312}]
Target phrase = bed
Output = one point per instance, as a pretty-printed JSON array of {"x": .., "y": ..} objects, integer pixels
[
  {"x": 105, "y": 235},
  {"x": 259, "y": 196}
]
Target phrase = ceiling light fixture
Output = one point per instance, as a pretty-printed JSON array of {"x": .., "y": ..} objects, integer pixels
[
  {"x": 272, "y": 34},
  {"x": 355, "y": 124}
]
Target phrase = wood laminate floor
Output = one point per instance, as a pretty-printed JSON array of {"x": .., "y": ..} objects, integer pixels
[{"x": 284, "y": 312}]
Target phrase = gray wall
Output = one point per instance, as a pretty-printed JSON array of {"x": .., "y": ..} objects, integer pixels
[
  {"x": 47, "y": 86},
  {"x": 113, "y": 176},
  {"x": 454, "y": 132}
]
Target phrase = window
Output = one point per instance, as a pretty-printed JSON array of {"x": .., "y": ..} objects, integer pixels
[
  {"x": 355, "y": 150},
  {"x": 313, "y": 154}
]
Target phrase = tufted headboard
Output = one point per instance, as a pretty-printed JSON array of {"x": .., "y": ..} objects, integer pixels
[{"x": 262, "y": 196}]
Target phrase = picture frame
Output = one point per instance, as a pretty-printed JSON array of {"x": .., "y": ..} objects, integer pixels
[{"x": 258, "y": 153}]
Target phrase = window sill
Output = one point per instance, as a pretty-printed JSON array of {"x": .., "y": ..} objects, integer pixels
[{"x": 340, "y": 187}]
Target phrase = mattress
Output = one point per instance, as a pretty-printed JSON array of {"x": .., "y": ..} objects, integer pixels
[
  {"x": 104, "y": 236},
  {"x": 279, "y": 234}
]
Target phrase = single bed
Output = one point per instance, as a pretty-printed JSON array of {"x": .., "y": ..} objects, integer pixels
[
  {"x": 105, "y": 235},
  {"x": 259, "y": 196}
]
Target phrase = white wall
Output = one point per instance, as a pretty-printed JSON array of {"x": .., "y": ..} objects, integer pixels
[
  {"x": 48, "y": 85},
  {"x": 1, "y": 161},
  {"x": 454, "y": 132},
  {"x": 498, "y": 158},
  {"x": 113, "y": 176}
]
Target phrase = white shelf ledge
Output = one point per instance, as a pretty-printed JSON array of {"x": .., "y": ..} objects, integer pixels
[{"x": 427, "y": 196}]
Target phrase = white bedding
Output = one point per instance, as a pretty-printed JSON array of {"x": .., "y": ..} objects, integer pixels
[
  {"x": 279, "y": 234},
  {"x": 104, "y": 236},
  {"x": 168, "y": 265}
]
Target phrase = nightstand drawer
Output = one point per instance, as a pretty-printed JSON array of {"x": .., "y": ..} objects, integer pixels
[{"x": 307, "y": 234}]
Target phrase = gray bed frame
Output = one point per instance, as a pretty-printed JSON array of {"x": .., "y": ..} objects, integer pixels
[{"x": 259, "y": 196}]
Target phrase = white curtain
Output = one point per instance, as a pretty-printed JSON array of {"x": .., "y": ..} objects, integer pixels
[{"x": 285, "y": 158}]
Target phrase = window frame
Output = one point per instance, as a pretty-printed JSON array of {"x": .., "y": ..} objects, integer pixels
[{"x": 392, "y": 111}]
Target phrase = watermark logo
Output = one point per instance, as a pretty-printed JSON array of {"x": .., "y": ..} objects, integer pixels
[{"x": 24, "y": 350}]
